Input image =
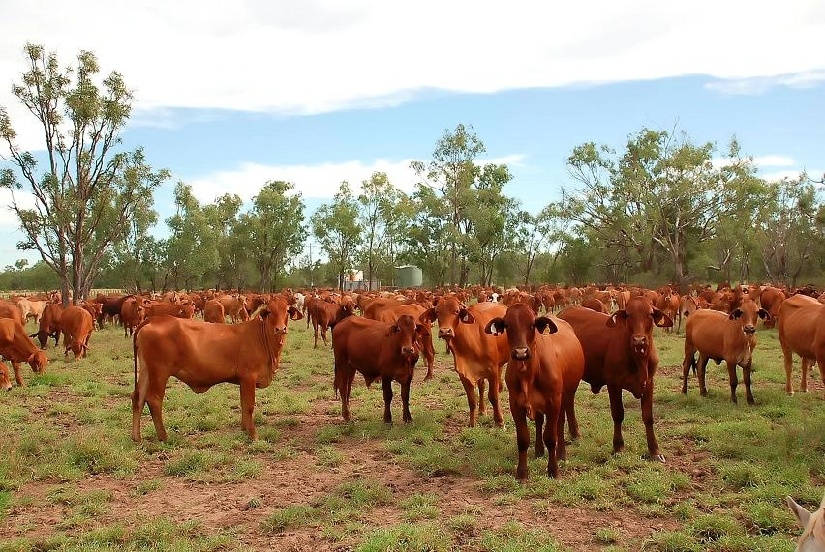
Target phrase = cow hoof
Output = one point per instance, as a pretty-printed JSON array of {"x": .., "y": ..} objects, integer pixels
[{"x": 660, "y": 457}]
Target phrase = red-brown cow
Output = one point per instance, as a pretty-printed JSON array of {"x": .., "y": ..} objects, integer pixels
[
  {"x": 668, "y": 302},
  {"x": 202, "y": 355},
  {"x": 377, "y": 350},
  {"x": 17, "y": 347},
  {"x": 5, "y": 380},
  {"x": 802, "y": 331},
  {"x": 542, "y": 376},
  {"x": 235, "y": 307},
  {"x": 132, "y": 314},
  {"x": 321, "y": 313},
  {"x": 619, "y": 352},
  {"x": 477, "y": 356},
  {"x": 687, "y": 305},
  {"x": 718, "y": 336},
  {"x": 50, "y": 324},
  {"x": 771, "y": 299},
  {"x": 214, "y": 312},
  {"x": 389, "y": 313},
  {"x": 178, "y": 310},
  {"x": 77, "y": 325}
]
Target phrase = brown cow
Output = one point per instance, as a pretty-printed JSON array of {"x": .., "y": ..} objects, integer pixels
[
  {"x": 31, "y": 309},
  {"x": 388, "y": 311},
  {"x": 132, "y": 313},
  {"x": 687, "y": 305},
  {"x": 321, "y": 313},
  {"x": 178, "y": 310},
  {"x": 770, "y": 299},
  {"x": 542, "y": 377},
  {"x": 477, "y": 356},
  {"x": 10, "y": 310},
  {"x": 202, "y": 355},
  {"x": 50, "y": 324},
  {"x": 668, "y": 302},
  {"x": 17, "y": 347},
  {"x": 801, "y": 329},
  {"x": 5, "y": 381},
  {"x": 377, "y": 350},
  {"x": 718, "y": 336},
  {"x": 235, "y": 307},
  {"x": 214, "y": 312},
  {"x": 77, "y": 325},
  {"x": 619, "y": 352},
  {"x": 111, "y": 306}
]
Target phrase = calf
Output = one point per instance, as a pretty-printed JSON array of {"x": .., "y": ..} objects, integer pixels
[
  {"x": 17, "y": 347},
  {"x": 31, "y": 309},
  {"x": 390, "y": 314},
  {"x": 720, "y": 336},
  {"x": 687, "y": 305},
  {"x": 50, "y": 324},
  {"x": 542, "y": 376},
  {"x": 213, "y": 311},
  {"x": 477, "y": 356},
  {"x": 377, "y": 350},
  {"x": 801, "y": 330},
  {"x": 771, "y": 299},
  {"x": 77, "y": 325},
  {"x": 321, "y": 313},
  {"x": 132, "y": 314},
  {"x": 813, "y": 525},
  {"x": 619, "y": 352},
  {"x": 202, "y": 355}
]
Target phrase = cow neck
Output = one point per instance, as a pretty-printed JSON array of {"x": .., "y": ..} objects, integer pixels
[
  {"x": 21, "y": 347},
  {"x": 268, "y": 346},
  {"x": 526, "y": 374}
]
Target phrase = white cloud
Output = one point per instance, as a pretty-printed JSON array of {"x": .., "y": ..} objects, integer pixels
[
  {"x": 313, "y": 56},
  {"x": 313, "y": 181},
  {"x": 774, "y": 161},
  {"x": 757, "y": 85}
]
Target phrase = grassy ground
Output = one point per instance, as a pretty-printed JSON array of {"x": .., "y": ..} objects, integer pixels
[{"x": 71, "y": 479}]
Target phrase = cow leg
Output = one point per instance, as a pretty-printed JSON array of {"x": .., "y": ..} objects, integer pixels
[
  {"x": 519, "y": 414},
  {"x": 732, "y": 379},
  {"x": 386, "y": 388},
  {"x": 617, "y": 413},
  {"x": 482, "y": 406},
  {"x": 746, "y": 378},
  {"x": 154, "y": 399},
  {"x": 821, "y": 362},
  {"x": 647, "y": 418},
  {"x": 803, "y": 383},
  {"x": 345, "y": 389},
  {"x": 429, "y": 356},
  {"x": 405, "y": 399},
  {"x": 787, "y": 353},
  {"x": 315, "y": 325},
  {"x": 687, "y": 364},
  {"x": 248, "y": 407},
  {"x": 18, "y": 377},
  {"x": 493, "y": 396},
  {"x": 570, "y": 410},
  {"x": 539, "y": 420},
  {"x": 561, "y": 446},
  {"x": 470, "y": 391},
  {"x": 700, "y": 374},
  {"x": 324, "y": 335},
  {"x": 551, "y": 438}
]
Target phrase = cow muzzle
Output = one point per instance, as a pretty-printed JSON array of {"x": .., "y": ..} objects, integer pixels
[
  {"x": 520, "y": 353},
  {"x": 281, "y": 331},
  {"x": 749, "y": 329},
  {"x": 639, "y": 344},
  {"x": 407, "y": 351},
  {"x": 445, "y": 332}
]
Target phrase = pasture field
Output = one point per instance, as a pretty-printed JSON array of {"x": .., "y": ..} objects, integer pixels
[{"x": 71, "y": 478}]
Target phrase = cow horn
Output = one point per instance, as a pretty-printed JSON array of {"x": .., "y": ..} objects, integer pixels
[{"x": 257, "y": 311}]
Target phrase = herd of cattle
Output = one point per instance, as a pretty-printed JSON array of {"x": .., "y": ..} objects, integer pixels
[{"x": 600, "y": 335}]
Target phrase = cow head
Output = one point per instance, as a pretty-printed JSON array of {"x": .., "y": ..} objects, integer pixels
[
  {"x": 38, "y": 361},
  {"x": 813, "y": 525},
  {"x": 407, "y": 331},
  {"x": 638, "y": 317},
  {"x": 449, "y": 312},
  {"x": 5, "y": 380},
  {"x": 747, "y": 315},
  {"x": 277, "y": 314},
  {"x": 520, "y": 324}
]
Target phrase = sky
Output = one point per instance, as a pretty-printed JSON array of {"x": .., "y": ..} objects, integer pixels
[{"x": 231, "y": 94}]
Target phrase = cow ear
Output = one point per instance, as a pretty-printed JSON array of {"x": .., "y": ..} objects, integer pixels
[
  {"x": 736, "y": 313},
  {"x": 802, "y": 515},
  {"x": 295, "y": 314},
  {"x": 612, "y": 320},
  {"x": 661, "y": 319},
  {"x": 393, "y": 329},
  {"x": 428, "y": 316},
  {"x": 264, "y": 313},
  {"x": 465, "y": 316},
  {"x": 494, "y": 326},
  {"x": 764, "y": 315},
  {"x": 543, "y": 324}
]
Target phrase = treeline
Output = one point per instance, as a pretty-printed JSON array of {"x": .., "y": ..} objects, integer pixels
[{"x": 659, "y": 208}]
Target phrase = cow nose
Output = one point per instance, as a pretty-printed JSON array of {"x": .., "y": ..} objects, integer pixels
[
  {"x": 749, "y": 329},
  {"x": 639, "y": 340},
  {"x": 445, "y": 332},
  {"x": 521, "y": 353},
  {"x": 407, "y": 350},
  {"x": 281, "y": 330}
]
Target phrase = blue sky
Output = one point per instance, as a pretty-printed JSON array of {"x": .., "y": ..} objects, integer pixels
[{"x": 229, "y": 95}]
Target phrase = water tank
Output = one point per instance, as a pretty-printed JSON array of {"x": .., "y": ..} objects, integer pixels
[{"x": 408, "y": 276}]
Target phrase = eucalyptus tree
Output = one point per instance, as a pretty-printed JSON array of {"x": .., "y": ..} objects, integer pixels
[
  {"x": 379, "y": 217},
  {"x": 792, "y": 235},
  {"x": 453, "y": 172},
  {"x": 190, "y": 247},
  {"x": 336, "y": 227},
  {"x": 492, "y": 221},
  {"x": 273, "y": 231},
  {"x": 534, "y": 234},
  {"x": 222, "y": 217},
  {"x": 80, "y": 192},
  {"x": 428, "y": 240}
]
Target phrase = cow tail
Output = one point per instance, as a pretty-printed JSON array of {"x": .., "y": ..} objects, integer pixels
[{"x": 135, "y": 349}]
